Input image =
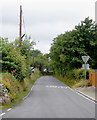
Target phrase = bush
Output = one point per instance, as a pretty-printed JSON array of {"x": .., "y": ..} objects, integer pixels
[
  {"x": 16, "y": 58},
  {"x": 12, "y": 85},
  {"x": 17, "y": 90},
  {"x": 74, "y": 77},
  {"x": 20, "y": 61},
  {"x": 35, "y": 75},
  {"x": 77, "y": 74}
]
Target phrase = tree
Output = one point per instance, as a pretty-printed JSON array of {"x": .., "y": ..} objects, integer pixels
[
  {"x": 6, "y": 61},
  {"x": 41, "y": 62},
  {"x": 67, "y": 48}
]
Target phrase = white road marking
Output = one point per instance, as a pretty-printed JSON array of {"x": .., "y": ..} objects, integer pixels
[
  {"x": 85, "y": 97},
  {"x": 32, "y": 88},
  {"x": 2, "y": 114},
  {"x": 82, "y": 95},
  {"x": 26, "y": 96},
  {"x": 9, "y": 109},
  {"x": 61, "y": 87},
  {"x": 71, "y": 90},
  {"x": 56, "y": 86},
  {"x": 28, "y": 93}
]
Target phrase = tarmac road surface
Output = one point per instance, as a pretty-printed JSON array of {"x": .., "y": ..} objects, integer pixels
[{"x": 50, "y": 98}]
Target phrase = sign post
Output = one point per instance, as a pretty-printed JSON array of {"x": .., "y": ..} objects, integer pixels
[{"x": 85, "y": 59}]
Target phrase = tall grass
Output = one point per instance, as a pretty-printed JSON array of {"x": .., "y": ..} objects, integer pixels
[
  {"x": 74, "y": 78},
  {"x": 82, "y": 84},
  {"x": 17, "y": 90}
]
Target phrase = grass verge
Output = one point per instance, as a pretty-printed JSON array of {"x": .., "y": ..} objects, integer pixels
[
  {"x": 73, "y": 83},
  {"x": 27, "y": 86},
  {"x": 65, "y": 80},
  {"x": 18, "y": 98}
]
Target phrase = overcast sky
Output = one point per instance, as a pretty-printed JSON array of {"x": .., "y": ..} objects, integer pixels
[{"x": 44, "y": 19}]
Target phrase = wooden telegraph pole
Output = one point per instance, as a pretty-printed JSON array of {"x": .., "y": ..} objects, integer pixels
[{"x": 20, "y": 24}]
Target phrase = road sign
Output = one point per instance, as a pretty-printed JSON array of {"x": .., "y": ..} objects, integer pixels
[
  {"x": 85, "y": 66},
  {"x": 85, "y": 58}
]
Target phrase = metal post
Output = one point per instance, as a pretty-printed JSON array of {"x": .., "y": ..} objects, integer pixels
[
  {"x": 85, "y": 59},
  {"x": 85, "y": 75}
]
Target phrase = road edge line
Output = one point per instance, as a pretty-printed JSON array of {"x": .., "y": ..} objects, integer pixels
[
  {"x": 2, "y": 114},
  {"x": 87, "y": 96},
  {"x": 82, "y": 94},
  {"x": 28, "y": 93}
]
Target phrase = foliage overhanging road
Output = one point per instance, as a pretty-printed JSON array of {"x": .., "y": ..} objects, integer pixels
[{"x": 50, "y": 98}]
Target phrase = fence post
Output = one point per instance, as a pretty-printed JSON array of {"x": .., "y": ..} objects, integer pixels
[
  {"x": 90, "y": 75},
  {"x": 93, "y": 77},
  {"x": 96, "y": 79}
]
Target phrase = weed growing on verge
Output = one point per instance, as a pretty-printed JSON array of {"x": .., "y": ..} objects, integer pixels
[{"x": 16, "y": 95}]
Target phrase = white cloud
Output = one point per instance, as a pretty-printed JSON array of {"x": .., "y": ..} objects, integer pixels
[{"x": 44, "y": 19}]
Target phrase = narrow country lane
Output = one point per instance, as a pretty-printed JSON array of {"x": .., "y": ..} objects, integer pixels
[{"x": 50, "y": 98}]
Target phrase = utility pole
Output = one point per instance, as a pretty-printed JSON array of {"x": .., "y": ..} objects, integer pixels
[
  {"x": 20, "y": 24},
  {"x": 33, "y": 58}
]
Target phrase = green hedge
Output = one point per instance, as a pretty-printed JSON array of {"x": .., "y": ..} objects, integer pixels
[{"x": 77, "y": 74}]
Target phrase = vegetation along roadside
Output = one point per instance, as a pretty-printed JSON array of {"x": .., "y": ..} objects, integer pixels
[
  {"x": 16, "y": 76},
  {"x": 17, "y": 90},
  {"x": 74, "y": 78}
]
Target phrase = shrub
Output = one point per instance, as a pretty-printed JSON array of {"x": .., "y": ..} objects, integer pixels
[
  {"x": 15, "y": 58},
  {"x": 12, "y": 85},
  {"x": 74, "y": 77},
  {"x": 20, "y": 61},
  {"x": 77, "y": 74},
  {"x": 36, "y": 74}
]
